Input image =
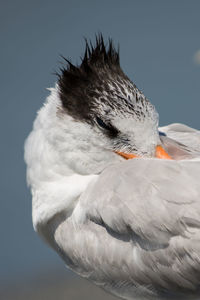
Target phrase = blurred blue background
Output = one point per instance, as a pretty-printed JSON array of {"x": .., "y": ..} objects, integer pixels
[{"x": 159, "y": 48}]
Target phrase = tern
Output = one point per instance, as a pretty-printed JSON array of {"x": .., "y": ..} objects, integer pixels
[{"x": 115, "y": 195}]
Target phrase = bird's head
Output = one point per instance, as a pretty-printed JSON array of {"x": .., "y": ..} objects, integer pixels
[
  {"x": 94, "y": 117},
  {"x": 110, "y": 117}
]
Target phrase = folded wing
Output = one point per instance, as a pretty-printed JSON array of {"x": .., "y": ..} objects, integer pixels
[
  {"x": 136, "y": 230},
  {"x": 180, "y": 141}
]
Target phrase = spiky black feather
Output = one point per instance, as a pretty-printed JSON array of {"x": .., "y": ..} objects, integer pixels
[
  {"x": 98, "y": 87},
  {"x": 79, "y": 86}
]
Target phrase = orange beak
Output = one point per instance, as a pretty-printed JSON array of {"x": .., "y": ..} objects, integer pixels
[
  {"x": 160, "y": 153},
  {"x": 126, "y": 155}
]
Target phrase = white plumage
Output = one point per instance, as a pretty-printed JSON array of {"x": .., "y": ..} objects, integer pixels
[{"x": 132, "y": 227}]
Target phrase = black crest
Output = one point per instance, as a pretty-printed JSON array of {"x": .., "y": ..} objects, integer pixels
[{"x": 81, "y": 86}]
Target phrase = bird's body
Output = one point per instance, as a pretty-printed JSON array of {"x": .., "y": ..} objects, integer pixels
[{"x": 132, "y": 227}]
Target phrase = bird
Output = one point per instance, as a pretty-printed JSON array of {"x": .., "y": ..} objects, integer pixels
[{"x": 114, "y": 194}]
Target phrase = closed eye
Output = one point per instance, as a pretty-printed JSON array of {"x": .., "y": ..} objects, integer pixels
[
  {"x": 102, "y": 124},
  {"x": 109, "y": 129}
]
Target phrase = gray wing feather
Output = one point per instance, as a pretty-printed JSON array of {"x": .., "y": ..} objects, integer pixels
[
  {"x": 181, "y": 141},
  {"x": 140, "y": 233},
  {"x": 146, "y": 195}
]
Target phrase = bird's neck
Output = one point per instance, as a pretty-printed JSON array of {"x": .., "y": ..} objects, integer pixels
[{"x": 55, "y": 186}]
